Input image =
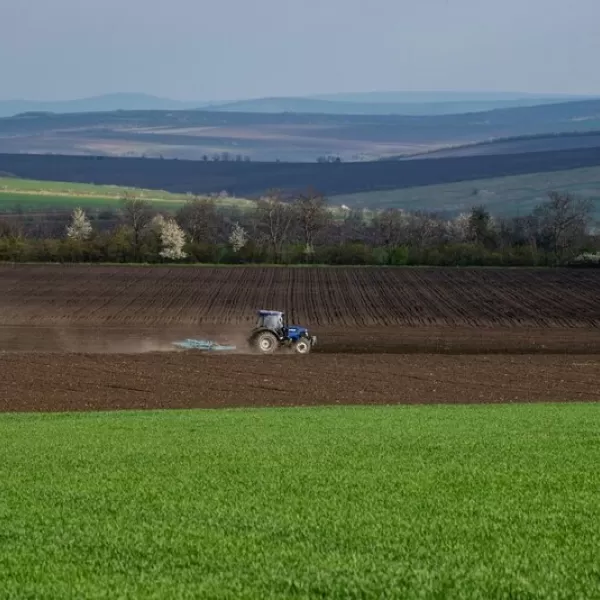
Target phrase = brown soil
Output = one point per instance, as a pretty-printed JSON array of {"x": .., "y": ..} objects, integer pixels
[
  {"x": 317, "y": 297},
  {"x": 331, "y": 340},
  {"x": 54, "y": 382},
  {"x": 95, "y": 338}
]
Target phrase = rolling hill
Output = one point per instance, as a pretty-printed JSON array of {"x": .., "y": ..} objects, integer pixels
[
  {"x": 502, "y": 196},
  {"x": 346, "y": 107},
  {"x": 441, "y": 96},
  {"x": 287, "y": 137},
  {"x": 253, "y": 179},
  {"x": 27, "y": 195},
  {"x": 516, "y": 145},
  {"x": 103, "y": 103},
  {"x": 401, "y": 103}
]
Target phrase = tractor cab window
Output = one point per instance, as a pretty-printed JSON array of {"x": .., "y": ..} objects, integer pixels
[{"x": 273, "y": 322}]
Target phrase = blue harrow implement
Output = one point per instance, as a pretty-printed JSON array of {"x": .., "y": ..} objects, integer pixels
[{"x": 191, "y": 344}]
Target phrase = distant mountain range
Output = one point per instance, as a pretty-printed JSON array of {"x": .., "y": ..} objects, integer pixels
[
  {"x": 367, "y": 103},
  {"x": 301, "y": 137},
  {"x": 440, "y": 96},
  {"x": 393, "y": 103},
  {"x": 331, "y": 107},
  {"x": 105, "y": 103}
]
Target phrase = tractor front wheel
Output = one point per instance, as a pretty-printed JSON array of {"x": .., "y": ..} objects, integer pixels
[
  {"x": 302, "y": 346},
  {"x": 265, "y": 342}
]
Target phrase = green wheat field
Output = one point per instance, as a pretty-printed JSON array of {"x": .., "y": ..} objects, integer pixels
[{"x": 392, "y": 502}]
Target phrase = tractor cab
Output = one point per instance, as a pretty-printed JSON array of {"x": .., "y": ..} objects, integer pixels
[{"x": 271, "y": 319}]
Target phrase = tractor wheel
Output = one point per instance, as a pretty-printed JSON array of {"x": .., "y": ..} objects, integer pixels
[
  {"x": 265, "y": 342},
  {"x": 302, "y": 346}
]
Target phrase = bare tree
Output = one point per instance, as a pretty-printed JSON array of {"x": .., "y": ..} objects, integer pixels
[
  {"x": 353, "y": 227},
  {"x": 137, "y": 215},
  {"x": 424, "y": 230},
  {"x": 49, "y": 225},
  {"x": 7, "y": 228},
  {"x": 199, "y": 219},
  {"x": 390, "y": 227},
  {"x": 517, "y": 231},
  {"x": 481, "y": 227},
  {"x": 521, "y": 232},
  {"x": 274, "y": 222},
  {"x": 312, "y": 217},
  {"x": 562, "y": 223}
]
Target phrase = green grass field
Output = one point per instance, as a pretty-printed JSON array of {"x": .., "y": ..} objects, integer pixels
[
  {"x": 31, "y": 195},
  {"x": 503, "y": 196},
  {"x": 421, "y": 502}
]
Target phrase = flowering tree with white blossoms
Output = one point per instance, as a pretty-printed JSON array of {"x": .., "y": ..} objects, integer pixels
[
  {"x": 172, "y": 238},
  {"x": 459, "y": 227},
  {"x": 238, "y": 238},
  {"x": 80, "y": 227}
]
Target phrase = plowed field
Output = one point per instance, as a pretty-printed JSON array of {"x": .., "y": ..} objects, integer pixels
[
  {"x": 55, "y": 382},
  {"x": 75, "y": 337},
  {"x": 324, "y": 297}
]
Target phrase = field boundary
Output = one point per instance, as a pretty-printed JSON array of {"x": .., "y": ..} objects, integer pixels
[{"x": 293, "y": 266}]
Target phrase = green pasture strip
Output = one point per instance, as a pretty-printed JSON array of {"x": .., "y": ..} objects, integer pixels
[
  {"x": 31, "y": 194},
  {"x": 33, "y": 185},
  {"x": 402, "y": 502},
  {"x": 31, "y": 202}
]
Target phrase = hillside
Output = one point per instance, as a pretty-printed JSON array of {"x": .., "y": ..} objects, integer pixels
[
  {"x": 253, "y": 179},
  {"x": 516, "y": 145},
  {"x": 29, "y": 195},
  {"x": 286, "y": 137},
  {"x": 503, "y": 196}
]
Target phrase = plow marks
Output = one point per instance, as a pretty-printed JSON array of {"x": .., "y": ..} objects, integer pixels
[{"x": 327, "y": 297}]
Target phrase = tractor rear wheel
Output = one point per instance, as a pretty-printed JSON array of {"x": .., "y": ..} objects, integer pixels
[
  {"x": 302, "y": 346},
  {"x": 265, "y": 342}
]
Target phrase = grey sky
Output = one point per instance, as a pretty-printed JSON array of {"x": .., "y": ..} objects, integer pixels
[{"x": 229, "y": 49}]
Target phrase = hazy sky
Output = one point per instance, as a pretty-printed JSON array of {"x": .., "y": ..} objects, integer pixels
[{"x": 230, "y": 49}]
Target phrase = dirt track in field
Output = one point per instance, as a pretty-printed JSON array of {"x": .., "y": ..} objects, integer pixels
[{"x": 95, "y": 338}]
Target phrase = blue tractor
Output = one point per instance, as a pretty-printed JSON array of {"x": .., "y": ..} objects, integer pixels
[{"x": 272, "y": 333}]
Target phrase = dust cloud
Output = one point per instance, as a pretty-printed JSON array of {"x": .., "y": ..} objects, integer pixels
[{"x": 107, "y": 340}]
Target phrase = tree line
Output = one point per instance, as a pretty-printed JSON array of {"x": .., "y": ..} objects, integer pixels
[{"x": 304, "y": 229}]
